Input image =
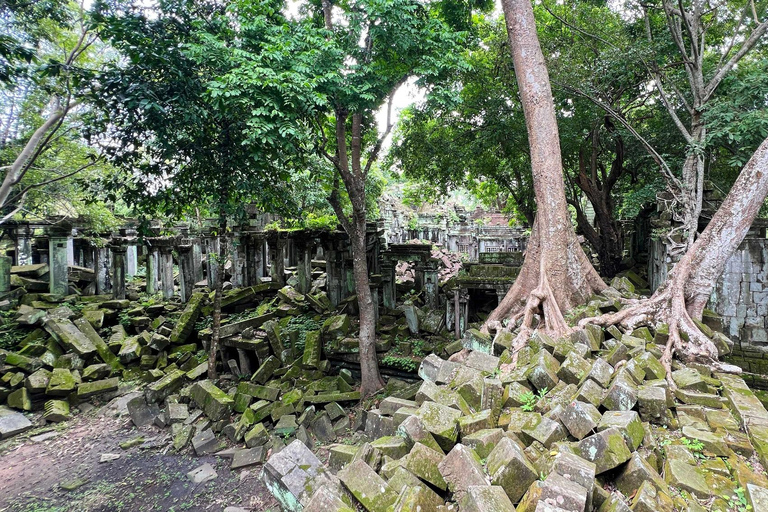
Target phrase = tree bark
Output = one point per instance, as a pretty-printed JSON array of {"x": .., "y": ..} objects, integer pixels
[
  {"x": 556, "y": 274},
  {"x": 218, "y": 290},
  {"x": 681, "y": 300}
]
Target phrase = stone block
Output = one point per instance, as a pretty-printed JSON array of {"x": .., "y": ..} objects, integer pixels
[
  {"x": 186, "y": 322},
  {"x": 413, "y": 430},
  {"x": 214, "y": 402},
  {"x": 483, "y": 441},
  {"x": 89, "y": 389},
  {"x": 368, "y": 488},
  {"x": 637, "y": 471},
  {"x": 509, "y": 468},
  {"x": 626, "y": 422},
  {"x": 573, "y": 369},
  {"x": 294, "y": 474},
  {"x": 580, "y": 418},
  {"x": 441, "y": 422},
  {"x": 621, "y": 396},
  {"x": 424, "y": 463},
  {"x": 461, "y": 469},
  {"x": 166, "y": 386},
  {"x": 12, "y": 423},
  {"x": 142, "y": 414},
  {"x": 486, "y": 498},
  {"x": 248, "y": 457},
  {"x": 607, "y": 449},
  {"x": 542, "y": 373}
]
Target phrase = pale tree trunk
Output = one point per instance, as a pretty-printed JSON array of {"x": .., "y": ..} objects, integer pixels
[
  {"x": 556, "y": 274},
  {"x": 680, "y": 301},
  {"x": 32, "y": 149}
]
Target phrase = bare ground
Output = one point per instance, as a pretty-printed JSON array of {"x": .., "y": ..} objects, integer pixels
[{"x": 144, "y": 478}]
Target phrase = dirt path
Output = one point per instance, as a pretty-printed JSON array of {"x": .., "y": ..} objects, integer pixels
[{"x": 142, "y": 479}]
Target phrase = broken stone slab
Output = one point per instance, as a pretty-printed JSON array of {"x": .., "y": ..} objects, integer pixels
[
  {"x": 142, "y": 414},
  {"x": 368, "y": 488},
  {"x": 461, "y": 469},
  {"x": 22, "y": 362},
  {"x": 430, "y": 367},
  {"x": 130, "y": 350},
  {"x": 69, "y": 336},
  {"x": 248, "y": 457},
  {"x": 688, "y": 477},
  {"x": 266, "y": 370},
  {"x": 166, "y": 386},
  {"x": 202, "y": 474},
  {"x": 293, "y": 475},
  {"x": 205, "y": 442},
  {"x": 327, "y": 500},
  {"x": 89, "y": 389},
  {"x": 12, "y": 423},
  {"x": 102, "y": 349},
  {"x": 186, "y": 322},
  {"x": 391, "y": 405},
  {"x": 509, "y": 468},
  {"x": 97, "y": 372},
  {"x": 214, "y": 402},
  {"x": 38, "y": 381}
]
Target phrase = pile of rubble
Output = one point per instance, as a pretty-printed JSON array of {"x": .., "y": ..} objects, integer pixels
[
  {"x": 449, "y": 265},
  {"x": 584, "y": 423},
  {"x": 76, "y": 348}
]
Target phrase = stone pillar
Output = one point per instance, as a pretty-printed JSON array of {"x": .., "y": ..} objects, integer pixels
[
  {"x": 119, "y": 270},
  {"x": 131, "y": 260},
  {"x": 153, "y": 262},
  {"x": 333, "y": 275},
  {"x": 304, "y": 264},
  {"x": 418, "y": 276},
  {"x": 23, "y": 245},
  {"x": 186, "y": 271},
  {"x": 101, "y": 267},
  {"x": 276, "y": 255},
  {"x": 70, "y": 251},
  {"x": 166, "y": 271},
  {"x": 58, "y": 265},
  {"x": 197, "y": 260},
  {"x": 239, "y": 275},
  {"x": 212, "y": 245},
  {"x": 5, "y": 274},
  {"x": 431, "y": 285},
  {"x": 254, "y": 266},
  {"x": 389, "y": 286}
]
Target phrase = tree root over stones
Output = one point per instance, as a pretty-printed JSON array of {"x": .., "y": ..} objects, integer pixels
[{"x": 668, "y": 305}]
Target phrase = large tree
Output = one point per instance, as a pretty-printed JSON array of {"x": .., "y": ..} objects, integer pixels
[
  {"x": 681, "y": 300},
  {"x": 556, "y": 274}
]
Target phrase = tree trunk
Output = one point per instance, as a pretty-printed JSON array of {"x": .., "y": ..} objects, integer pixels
[
  {"x": 369, "y": 365},
  {"x": 556, "y": 274},
  {"x": 681, "y": 300},
  {"x": 218, "y": 287}
]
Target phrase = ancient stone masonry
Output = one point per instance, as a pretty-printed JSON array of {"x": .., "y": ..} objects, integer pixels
[
  {"x": 740, "y": 298},
  {"x": 458, "y": 230}
]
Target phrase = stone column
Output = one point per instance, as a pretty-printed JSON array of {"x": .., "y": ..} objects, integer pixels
[
  {"x": 186, "y": 271},
  {"x": 119, "y": 270},
  {"x": 103, "y": 263},
  {"x": 254, "y": 266},
  {"x": 5, "y": 274},
  {"x": 212, "y": 245},
  {"x": 131, "y": 260},
  {"x": 418, "y": 276},
  {"x": 277, "y": 257},
  {"x": 197, "y": 260},
  {"x": 153, "y": 262},
  {"x": 431, "y": 285},
  {"x": 70, "y": 251},
  {"x": 58, "y": 265},
  {"x": 239, "y": 275},
  {"x": 333, "y": 275},
  {"x": 304, "y": 264},
  {"x": 23, "y": 245},
  {"x": 389, "y": 287},
  {"x": 166, "y": 271}
]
